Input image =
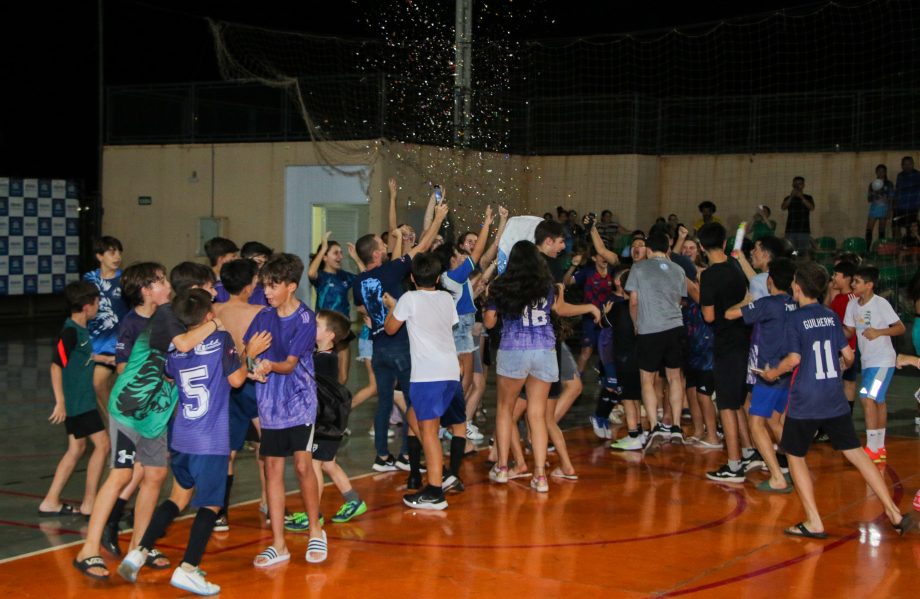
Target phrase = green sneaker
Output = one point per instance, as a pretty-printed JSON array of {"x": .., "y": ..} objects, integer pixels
[
  {"x": 299, "y": 522},
  {"x": 349, "y": 510}
]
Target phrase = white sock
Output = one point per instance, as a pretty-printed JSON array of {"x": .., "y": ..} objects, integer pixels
[
  {"x": 871, "y": 442},
  {"x": 881, "y": 437}
]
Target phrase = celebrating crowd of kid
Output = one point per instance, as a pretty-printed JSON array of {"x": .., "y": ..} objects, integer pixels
[{"x": 760, "y": 361}]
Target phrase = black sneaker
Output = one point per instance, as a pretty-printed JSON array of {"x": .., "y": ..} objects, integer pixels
[
  {"x": 402, "y": 462},
  {"x": 452, "y": 483},
  {"x": 387, "y": 464},
  {"x": 414, "y": 482},
  {"x": 783, "y": 462},
  {"x": 727, "y": 475},
  {"x": 660, "y": 430},
  {"x": 754, "y": 461},
  {"x": 427, "y": 499},
  {"x": 676, "y": 434}
]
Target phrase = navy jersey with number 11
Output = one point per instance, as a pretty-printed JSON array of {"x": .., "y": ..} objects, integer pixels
[
  {"x": 202, "y": 424},
  {"x": 816, "y": 392}
]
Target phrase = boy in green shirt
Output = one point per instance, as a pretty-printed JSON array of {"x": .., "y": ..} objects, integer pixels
[{"x": 72, "y": 367}]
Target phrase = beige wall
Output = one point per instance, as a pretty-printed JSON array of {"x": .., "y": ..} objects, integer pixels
[{"x": 248, "y": 184}]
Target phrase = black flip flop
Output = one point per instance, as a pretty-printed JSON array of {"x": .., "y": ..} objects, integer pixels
[
  {"x": 905, "y": 525},
  {"x": 799, "y": 530},
  {"x": 66, "y": 510},
  {"x": 151, "y": 561},
  {"x": 94, "y": 561}
]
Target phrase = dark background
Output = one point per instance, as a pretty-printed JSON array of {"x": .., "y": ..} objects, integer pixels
[{"x": 49, "y": 124}]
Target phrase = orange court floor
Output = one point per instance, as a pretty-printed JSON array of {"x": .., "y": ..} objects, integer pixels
[{"x": 633, "y": 525}]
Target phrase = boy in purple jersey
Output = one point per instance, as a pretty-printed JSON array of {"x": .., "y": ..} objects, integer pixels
[
  {"x": 814, "y": 342},
  {"x": 768, "y": 401},
  {"x": 220, "y": 250},
  {"x": 287, "y": 403},
  {"x": 200, "y": 441}
]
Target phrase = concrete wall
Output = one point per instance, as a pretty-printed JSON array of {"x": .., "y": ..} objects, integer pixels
[{"x": 248, "y": 187}]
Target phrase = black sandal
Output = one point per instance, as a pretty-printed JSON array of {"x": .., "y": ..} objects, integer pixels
[
  {"x": 94, "y": 561},
  {"x": 905, "y": 525},
  {"x": 66, "y": 510},
  {"x": 152, "y": 556}
]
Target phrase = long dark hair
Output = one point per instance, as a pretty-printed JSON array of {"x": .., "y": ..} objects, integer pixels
[{"x": 526, "y": 280}]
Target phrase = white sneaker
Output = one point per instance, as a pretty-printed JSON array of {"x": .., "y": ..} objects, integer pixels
[
  {"x": 193, "y": 582},
  {"x": 473, "y": 433},
  {"x": 598, "y": 425},
  {"x": 132, "y": 564},
  {"x": 628, "y": 443}
]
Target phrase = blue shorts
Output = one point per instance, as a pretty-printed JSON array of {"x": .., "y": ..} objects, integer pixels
[
  {"x": 242, "y": 410},
  {"x": 767, "y": 399},
  {"x": 878, "y": 210},
  {"x": 365, "y": 350},
  {"x": 431, "y": 400},
  {"x": 456, "y": 409},
  {"x": 521, "y": 363},
  {"x": 463, "y": 333},
  {"x": 206, "y": 473},
  {"x": 875, "y": 383},
  {"x": 589, "y": 333}
]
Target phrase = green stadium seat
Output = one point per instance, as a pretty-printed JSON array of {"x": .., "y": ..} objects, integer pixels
[
  {"x": 826, "y": 243},
  {"x": 856, "y": 245}
]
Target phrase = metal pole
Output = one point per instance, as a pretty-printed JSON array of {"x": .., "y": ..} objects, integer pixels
[{"x": 463, "y": 74}]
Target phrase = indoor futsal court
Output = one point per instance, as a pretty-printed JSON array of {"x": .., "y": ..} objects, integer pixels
[{"x": 633, "y": 525}]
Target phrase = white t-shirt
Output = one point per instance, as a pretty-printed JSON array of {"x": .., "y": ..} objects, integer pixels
[
  {"x": 430, "y": 317},
  {"x": 758, "y": 286},
  {"x": 877, "y": 313}
]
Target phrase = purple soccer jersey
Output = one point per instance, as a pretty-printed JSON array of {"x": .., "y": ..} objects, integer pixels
[
  {"x": 287, "y": 400},
  {"x": 816, "y": 392},
  {"x": 532, "y": 329},
  {"x": 202, "y": 423}
]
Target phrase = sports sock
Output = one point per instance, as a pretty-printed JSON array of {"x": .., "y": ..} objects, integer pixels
[
  {"x": 783, "y": 460},
  {"x": 198, "y": 537},
  {"x": 117, "y": 512},
  {"x": 747, "y": 452},
  {"x": 457, "y": 447},
  {"x": 415, "y": 456},
  {"x": 227, "y": 493},
  {"x": 433, "y": 490},
  {"x": 880, "y": 439},
  {"x": 351, "y": 495},
  {"x": 635, "y": 433},
  {"x": 162, "y": 518},
  {"x": 870, "y": 440},
  {"x": 734, "y": 465}
]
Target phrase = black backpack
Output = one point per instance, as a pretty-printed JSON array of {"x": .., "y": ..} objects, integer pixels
[{"x": 333, "y": 407}]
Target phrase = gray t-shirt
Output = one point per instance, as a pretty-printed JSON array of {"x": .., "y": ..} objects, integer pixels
[{"x": 661, "y": 285}]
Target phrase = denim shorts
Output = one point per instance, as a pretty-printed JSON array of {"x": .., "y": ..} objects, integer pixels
[
  {"x": 521, "y": 363},
  {"x": 365, "y": 350},
  {"x": 463, "y": 334}
]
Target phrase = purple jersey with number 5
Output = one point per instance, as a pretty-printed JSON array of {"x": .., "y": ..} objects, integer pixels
[
  {"x": 532, "y": 329},
  {"x": 816, "y": 391},
  {"x": 202, "y": 424}
]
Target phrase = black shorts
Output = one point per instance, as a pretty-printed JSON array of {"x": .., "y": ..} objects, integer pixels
[
  {"x": 108, "y": 366},
  {"x": 284, "y": 442},
  {"x": 456, "y": 410},
  {"x": 252, "y": 434},
  {"x": 324, "y": 450},
  {"x": 661, "y": 349},
  {"x": 798, "y": 434},
  {"x": 84, "y": 425},
  {"x": 729, "y": 380},
  {"x": 630, "y": 383},
  {"x": 702, "y": 380}
]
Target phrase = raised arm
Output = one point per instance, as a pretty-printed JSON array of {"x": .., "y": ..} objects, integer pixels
[
  {"x": 492, "y": 252},
  {"x": 429, "y": 212},
  {"x": 483, "y": 237},
  {"x": 745, "y": 265},
  {"x": 353, "y": 252},
  {"x": 682, "y": 233},
  {"x": 440, "y": 213},
  {"x": 313, "y": 271},
  {"x": 391, "y": 215},
  {"x": 602, "y": 251},
  {"x": 396, "y": 234}
]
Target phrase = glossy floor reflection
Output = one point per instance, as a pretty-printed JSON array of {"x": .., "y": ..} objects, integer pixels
[{"x": 631, "y": 526}]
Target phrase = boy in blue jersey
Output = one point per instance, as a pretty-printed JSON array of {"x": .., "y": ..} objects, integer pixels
[
  {"x": 768, "y": 400},
  {"x": 103, "y": 329},
  {"x": 200, "y": 441},
  {"x": 286, "y": 400},
  {"x": 814, "y": 344},
  {"x": 220, "y": 251}
]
